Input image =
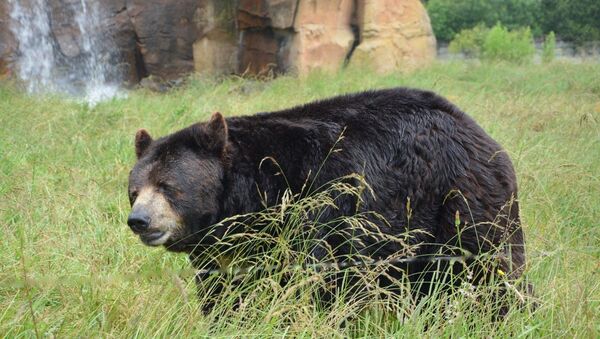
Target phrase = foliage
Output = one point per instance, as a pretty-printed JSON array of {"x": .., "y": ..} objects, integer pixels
[
  {"x": 497, "y": 43},
  {"x": 71, "y": 267},
  {"x": 549, "y": 51},
  {"x": 577, "y": 21},
  {"x": 513, "y": 46},
  {"x": 572, "y": 20},
  {"x": 449, "y": 17},
  {"x": 469, "y": 41}
]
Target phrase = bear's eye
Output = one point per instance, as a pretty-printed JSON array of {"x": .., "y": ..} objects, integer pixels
[
  {"x": 132, "y": 196},
  {"x": 164, "y": 187}
]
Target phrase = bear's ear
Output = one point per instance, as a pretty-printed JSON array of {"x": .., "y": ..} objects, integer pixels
[
  {"x": 142, "y": 141},
  {"x": 216, "y": 129}
]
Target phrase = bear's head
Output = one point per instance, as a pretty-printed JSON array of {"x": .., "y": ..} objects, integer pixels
[{"x": 176, "y": 186}]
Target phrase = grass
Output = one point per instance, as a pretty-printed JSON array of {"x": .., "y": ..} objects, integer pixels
[{"x": 71, "y": 267}]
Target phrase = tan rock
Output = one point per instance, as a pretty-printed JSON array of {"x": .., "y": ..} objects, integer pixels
[
  {"x": 265, "y": 28},
  {"x": 215, "y": 51},
  {"x": 323, "y": 36},
  {"x": 215, "y": 56},
  {"x": 259, "y": 52},
  {"x": 395, "y": 35},
  {"x": 278, "y": 14}
]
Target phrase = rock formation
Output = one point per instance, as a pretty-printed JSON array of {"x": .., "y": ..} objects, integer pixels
[
  {"x": 394, "y": 34},
  {"x": 323, "y": 35},
  {"x": 8, "y": 45},
  {"x": 215, "y": 49},
  {"x": 165, "y": 34},
  {"x": 171, "y": 38}
]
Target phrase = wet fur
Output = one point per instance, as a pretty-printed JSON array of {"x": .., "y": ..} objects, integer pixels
[{"x": 409, "y": 144}]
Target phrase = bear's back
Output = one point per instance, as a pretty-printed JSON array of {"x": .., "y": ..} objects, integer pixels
[{"x": 352, "y": 106}]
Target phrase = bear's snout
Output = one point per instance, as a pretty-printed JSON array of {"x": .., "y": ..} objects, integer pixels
[
  {"x": 138, "y": 221},
  {"x": 152, "y": 218}
]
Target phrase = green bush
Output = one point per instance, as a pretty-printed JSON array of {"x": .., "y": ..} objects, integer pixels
[
  {"x": 469, "y": 41},
  {"x": 577, "y": 21},
  {"x": 497, "y": 43},
  {"x": 449, "y": 17},
  {"x": 549, "y": 51},
  {"x": 513, "y": 46}
]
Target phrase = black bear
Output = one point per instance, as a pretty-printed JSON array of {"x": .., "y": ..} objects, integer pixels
[{"x": 419, "y": 153}]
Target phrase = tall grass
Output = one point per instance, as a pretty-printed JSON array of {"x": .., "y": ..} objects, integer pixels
[{"x": 71, "y": 267}]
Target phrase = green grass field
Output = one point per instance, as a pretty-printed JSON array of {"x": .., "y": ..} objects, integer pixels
[{"x": 71, "y": 267}]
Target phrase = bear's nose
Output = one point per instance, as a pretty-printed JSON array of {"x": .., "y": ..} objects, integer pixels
[{"x": 138, "y": 222}]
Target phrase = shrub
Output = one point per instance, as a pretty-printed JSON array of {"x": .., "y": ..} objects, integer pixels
[
  {"x": 549, "y": 50},
  {"x": 576, "y": 21},
  {"x": 469, "y": 41},
  {"x": 572, "y": 20},
  {"x": 448, "y": 17},
  {"x": 513, "y": 46}
]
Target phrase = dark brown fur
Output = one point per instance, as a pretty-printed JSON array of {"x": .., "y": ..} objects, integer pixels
[{"x": 409, "y": 144}]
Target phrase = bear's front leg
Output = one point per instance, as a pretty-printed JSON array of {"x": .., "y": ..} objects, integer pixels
[{"x": 209, "y": 287}]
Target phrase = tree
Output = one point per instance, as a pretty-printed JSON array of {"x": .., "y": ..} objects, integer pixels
[
  {"x": 572, "y": 20},
  {"x": 449, "y": 17}
]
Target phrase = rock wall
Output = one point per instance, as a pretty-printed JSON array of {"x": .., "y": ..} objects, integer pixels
[
  {"x": 7, "y": 43},
  {"x": 215, "y": 48},
  {"x": 171, "y": 38},
  {"x": 165, "y": 33},
  {"x": 302, "y": 35},
  {"x": 394, "y": 34},
  {"x": 324, "y": 35}
]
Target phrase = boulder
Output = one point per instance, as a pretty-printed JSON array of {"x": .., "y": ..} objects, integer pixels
[
  {"x": 165, "y": 34},
  {"x": 8, "y": 45},
  {"x": 324, "y": 35},
  {"x": 394, "y": 35},
  {"x": 214, "y": 55},
  {"x": 120, "y": 28},
  {"x": 294, "y": 36},
  {"x": 277, "y": 14},
  {"x": 260, "y": 52},
  {"x": 216, "y": 49},
  {"x": 109, "y": 24},
  {"x": 63, "y": 27},
  {"x": 266, "y": 28}
]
